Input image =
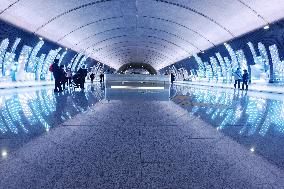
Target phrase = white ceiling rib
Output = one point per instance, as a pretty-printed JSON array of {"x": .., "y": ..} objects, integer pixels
[{"x": 159, "y": 32}]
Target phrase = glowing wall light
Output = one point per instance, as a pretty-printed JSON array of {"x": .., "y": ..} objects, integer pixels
[
  {"x": 22, "y": 61},
  {"x": 31, "y": 64},
  {"x": 201, "y": 72},
  {"x": 39, "y": 67},
  {"x": 62, "y": 56},
  {"x": 3, "y": 47},
  {"x": 3, "y": 128},
  {"x": 234, "y": 60},
  {"x": 242, "y": 61},
  {"x": 82, "y": 62},
  {"x": 264, "y": 56},
  {"x": 260, "y": 70},
  {"x": 278, "y": 65},
  {"x": 75, "y": 63},
  {"x": 209, "y": 71},
  {"x": 71, "y": 62},
  {"x": 215, "y": 68},
  {"x": 9, "y": 59},
  {"x": 224, "y": 69},
  {"x": 48, "y": 61}
]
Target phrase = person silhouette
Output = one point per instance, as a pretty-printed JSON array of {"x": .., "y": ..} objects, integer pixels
[
  {"x": 238, "y": 77},
  {"x": 245, "y": 80}
]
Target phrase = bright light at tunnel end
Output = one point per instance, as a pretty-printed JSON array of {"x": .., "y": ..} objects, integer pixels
[
  {"x": 133, "y": 87},
  {"x": 266, "y": 27}
]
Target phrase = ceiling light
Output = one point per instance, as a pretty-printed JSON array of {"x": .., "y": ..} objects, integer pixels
[
  {"x": 266, "y": 27},
  {"x": 4, "y": 153}
]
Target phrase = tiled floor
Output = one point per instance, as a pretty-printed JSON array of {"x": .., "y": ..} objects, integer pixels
[{"x": 132, "y": 143}]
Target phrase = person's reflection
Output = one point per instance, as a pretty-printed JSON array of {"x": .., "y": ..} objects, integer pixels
[
  {"x": 60, "y": 106},
  {"x": 173, "y": 91},
  {"x": 92, "y": 88},
  {"x": 102, "y": 86},
  {"x": 241, "y": 110},
  {"x": 236, "y": 95},
  {"x": 80, "y": 99}
]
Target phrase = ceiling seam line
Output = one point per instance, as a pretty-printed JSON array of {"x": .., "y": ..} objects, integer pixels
[
  {"x": 69, "y": 11},
  {"x": 253, "y": 10},
  {"x": 197, "y": 12},
  {"x": 11, "y": 5},
  {"x": 88, "y": 24}
]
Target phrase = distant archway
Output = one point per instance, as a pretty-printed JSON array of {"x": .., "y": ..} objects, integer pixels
[{"x": 137, "y": 66}]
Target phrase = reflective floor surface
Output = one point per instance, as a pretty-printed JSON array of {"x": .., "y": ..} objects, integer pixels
[
  {"x": 181, "y": 137},
  {"x": 26, "y": 113},
  {"x": 255, "y": 120}
]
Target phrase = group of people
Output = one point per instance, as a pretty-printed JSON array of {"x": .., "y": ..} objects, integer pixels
[
  {"x": 239, "y": 77},
  {"x": 63, "y": 77}
]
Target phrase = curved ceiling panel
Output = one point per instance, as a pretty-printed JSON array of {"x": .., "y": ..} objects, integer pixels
[{"x": 158, "y": 32}]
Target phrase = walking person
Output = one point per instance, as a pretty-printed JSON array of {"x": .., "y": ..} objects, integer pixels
[
  {"x": 172, "y": 78},
  {"x": 83, "y": 73},
  {"x": 63, "y": 79},
  {"x": 69, "y": 77},
  {"x": 92, "y": 77},
  {"x": 57, "y": 75},
  {"x": 101, "y": 77},
  {"x": 245, "y": 80},
  {"x": 238, "y": 77}
]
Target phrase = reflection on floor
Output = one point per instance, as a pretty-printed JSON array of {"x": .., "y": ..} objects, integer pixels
[
  {"x": 254, "y": 120},
  {"x": 26, "y": 113},
  {"x": 140, "y": 143}
]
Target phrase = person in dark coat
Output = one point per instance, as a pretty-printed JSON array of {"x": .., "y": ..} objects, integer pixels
[
  {"x": 92, "y": 76},
  {"x": 101, "y": 77},
  {"x": 172, "y": 78},
  {"x": 57, "y": 76},
  {"x": 245, "y": 80},
  {"x": 83, "y": 73}
]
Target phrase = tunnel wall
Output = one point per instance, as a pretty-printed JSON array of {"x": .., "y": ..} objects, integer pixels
[
  {"x": 24, "y": 62},
  {"x": 272, "y": 40}
]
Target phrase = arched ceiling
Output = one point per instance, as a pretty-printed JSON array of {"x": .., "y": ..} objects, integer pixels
[{"x": 156, "y": 32}]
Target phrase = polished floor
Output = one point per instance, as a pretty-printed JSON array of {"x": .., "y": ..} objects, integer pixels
[{"x": 184, "y": 137}]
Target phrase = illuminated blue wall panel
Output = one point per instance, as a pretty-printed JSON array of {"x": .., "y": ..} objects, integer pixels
[
  {"x": 261, "y": 52},
  {"x": 25, "y": 56}
]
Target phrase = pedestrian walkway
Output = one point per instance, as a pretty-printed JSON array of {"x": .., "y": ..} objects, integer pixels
[
  {"x": 22, "y": 84},
  {"x": 136, "y": 144},
  {"x": 257, "y": 87}
]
